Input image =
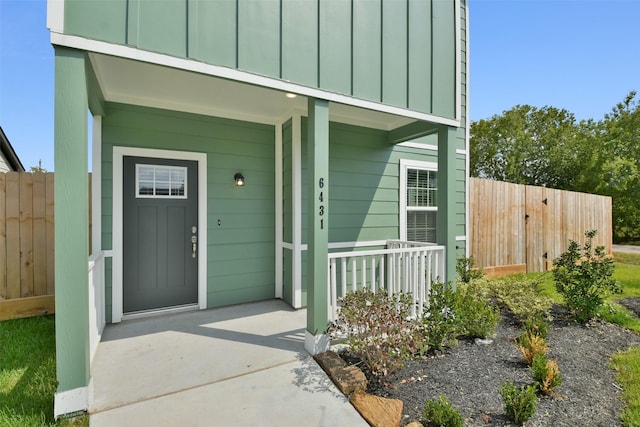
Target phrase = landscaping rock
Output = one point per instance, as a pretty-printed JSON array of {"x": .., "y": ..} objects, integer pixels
[
  {"x": 415, "y": 424},
  {"x": 348, "y": 378},
  {"x": 378, "y": 411}
]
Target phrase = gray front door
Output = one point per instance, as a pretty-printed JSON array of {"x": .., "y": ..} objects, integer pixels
[{"x": 160, "y": 220}]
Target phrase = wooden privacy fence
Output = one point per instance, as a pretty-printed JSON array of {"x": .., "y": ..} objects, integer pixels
[
  {"x": 26, "y": 244},
  {"x": 518, "y": 228}
]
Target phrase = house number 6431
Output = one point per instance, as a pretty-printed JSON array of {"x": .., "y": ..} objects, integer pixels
[{"x": 321, "y": 199}]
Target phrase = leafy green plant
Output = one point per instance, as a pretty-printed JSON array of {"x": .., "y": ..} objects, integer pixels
[
  {"x": 378, "y": 329},
  {"x": 546, "y": 373},
  {"x": 518, "y": 293},
  {"x": 439, "y": 322},
  {"x": 536, "y": 326},
  {"x": 530, "y": 345},
  {"x": 584, "y": 277},
  {"x": 440, "y": 413},
  {"x": 465, "y": 267},
  {"x": 477, "y": 316},
  {"x": 519, "y": 403}
]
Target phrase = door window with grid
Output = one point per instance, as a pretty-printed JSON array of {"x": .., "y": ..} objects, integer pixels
[{"x": 419, "y": 204}]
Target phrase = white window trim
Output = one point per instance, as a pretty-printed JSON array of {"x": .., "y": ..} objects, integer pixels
[
  {"x": 405, "y": 165},
  {"x": 156, "y": 196},
  {"x": 117, "y": 227}
]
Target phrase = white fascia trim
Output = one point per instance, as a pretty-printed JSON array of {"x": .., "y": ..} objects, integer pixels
[
  {"x": 456, "y": 15},
  {"x": 96, "y": 185},
  {"x": 118, "y": 154},
  {"x": 278, "y": 212},
  {"x": 418, "y": 145},
  {"x": 402, "y": 208},
  {"x": 71, "y": 401},
  {"x": 467, "y": 146},
  {"x": 241, "y": 76},
  {"x": 55, "y": 15},
  {"x": 461, "y": 238},
  {"x": 296, "y": 197}
]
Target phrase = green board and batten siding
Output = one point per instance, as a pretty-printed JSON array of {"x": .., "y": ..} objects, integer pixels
[
  {"x": 241, "y": 255},
  {"x": 397, "y": 52}
]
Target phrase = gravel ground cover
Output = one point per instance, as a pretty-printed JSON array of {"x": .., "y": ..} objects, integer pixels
[{"x": 470, "y": 375}]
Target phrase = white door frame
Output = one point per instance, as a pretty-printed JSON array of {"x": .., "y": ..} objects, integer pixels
[{"x": 117, "y": 225}]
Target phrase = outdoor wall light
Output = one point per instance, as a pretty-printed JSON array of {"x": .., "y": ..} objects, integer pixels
[{"x": 239, "y": 179}]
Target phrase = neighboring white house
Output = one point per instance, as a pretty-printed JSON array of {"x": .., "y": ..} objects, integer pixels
[{"x": 9, "y": 161}]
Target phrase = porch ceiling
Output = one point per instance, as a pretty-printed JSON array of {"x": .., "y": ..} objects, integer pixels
[{"x": 141, "y": 83}]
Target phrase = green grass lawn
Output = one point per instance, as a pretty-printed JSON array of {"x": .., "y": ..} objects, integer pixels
[
  {"x": 28, "y": 373},
  {"x": 627, "y": 363}
]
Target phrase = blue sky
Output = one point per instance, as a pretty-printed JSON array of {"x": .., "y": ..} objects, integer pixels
[{"x": 581, "y": 55}]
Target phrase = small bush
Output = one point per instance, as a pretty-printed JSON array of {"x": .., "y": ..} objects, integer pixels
[
  {"x": 546, "y": 373},
  {"x": 465, "y": 267},
  {"x": 377, "y": 329},
  {"x": 440, "y": 413},
  {"x": 518, "y": 293},
  {"x": 519, "y": 404},
  {"x": 537, "y": 326},
  {"x": 439, "y": 321},
  {"x": 531, "y": 345},
  {"x": 477, "y": 316},
  {"x": 584, "y": 277}
]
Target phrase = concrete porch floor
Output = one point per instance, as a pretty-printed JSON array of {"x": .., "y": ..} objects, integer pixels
[{"x": 242, "y": 365}]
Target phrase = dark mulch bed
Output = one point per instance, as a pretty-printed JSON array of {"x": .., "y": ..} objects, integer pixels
[
  {"x": 632, "y": 304},
  {"x": 470, "y": 374}
]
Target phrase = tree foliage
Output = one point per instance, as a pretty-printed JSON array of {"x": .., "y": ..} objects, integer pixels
[{"x": 547, "y": 147}]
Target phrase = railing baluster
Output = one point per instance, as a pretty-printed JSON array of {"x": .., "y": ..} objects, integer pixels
[
  {"x": 363, "y": 273},
  {"x": 343, "y": 276},
  {"x": 429, "y": 275},
  {"x": 423, "y": 279},
  {"x": 333, "y": 293},
  {"x": 373, "y": 274},
  {"x": 381, "y": 272},
  {"x": 354, "y": 275}
]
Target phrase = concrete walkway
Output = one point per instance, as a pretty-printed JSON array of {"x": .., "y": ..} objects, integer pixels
[
  {"x": 243, "y": 365},
  {"x": 629, "y": 249}
]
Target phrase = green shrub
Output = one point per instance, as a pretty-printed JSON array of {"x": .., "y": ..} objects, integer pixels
[
  {"x": 536, "y": 326},
  {"x": 546, "y": 373},
  {"x": 378, "y": 329},
  {"x": 518, "y": 293},
  {"x": 519, "y": 403},
  {"x": 477, "y": 317},
  {"x": 465, "y": 267},
  {"x": 440, "y": 413},
  {"x": 439, "y": 322},
  {"x": 584, "y": 277},
  {"x": 530, "y": 345}
]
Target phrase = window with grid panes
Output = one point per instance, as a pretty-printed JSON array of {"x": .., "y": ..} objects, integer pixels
[{"x": 421, "y": 206}]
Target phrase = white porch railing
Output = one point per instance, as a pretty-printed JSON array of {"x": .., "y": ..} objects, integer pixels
[
  {"x": 96, "y": 300},
  {"x": 400, "y": 267}
]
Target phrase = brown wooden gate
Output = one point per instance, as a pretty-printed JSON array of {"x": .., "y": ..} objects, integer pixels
[{"x": 523, "y": 228}]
